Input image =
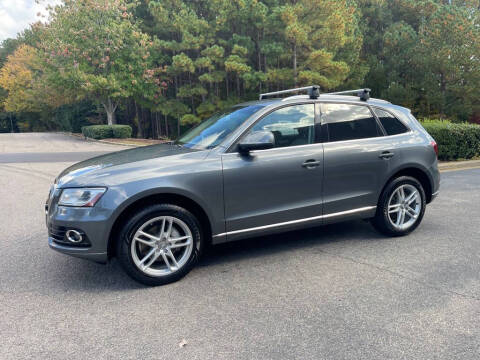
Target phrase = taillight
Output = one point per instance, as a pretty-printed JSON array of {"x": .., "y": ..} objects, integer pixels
[{"x": 435, "y": 146}]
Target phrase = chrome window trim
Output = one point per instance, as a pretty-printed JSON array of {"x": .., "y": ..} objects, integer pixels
[
  {"x": 263, "y": 227},
  {"x": 370, "y": 138},
  {"x": 276, "y": 149}
]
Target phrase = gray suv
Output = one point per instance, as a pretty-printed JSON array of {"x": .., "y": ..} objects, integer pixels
[{"x": 258, "y": 168}]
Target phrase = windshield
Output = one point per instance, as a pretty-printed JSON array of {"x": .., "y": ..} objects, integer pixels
[{"x": 214, "y": 130}]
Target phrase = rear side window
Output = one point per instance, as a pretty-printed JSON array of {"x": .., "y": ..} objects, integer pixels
[
  {"x": 390, "y": 123},
  {"x": 349, "y": 122}
]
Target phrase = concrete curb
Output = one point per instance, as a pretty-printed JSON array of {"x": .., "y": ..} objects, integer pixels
[
  {"x": 458, "y": 165},
  {"x": 121, "y": 143}
]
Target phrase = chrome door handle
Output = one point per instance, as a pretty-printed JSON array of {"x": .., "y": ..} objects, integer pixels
[
  {"x": 310, "y": 164},
  {"x": 386, "y": 155}
]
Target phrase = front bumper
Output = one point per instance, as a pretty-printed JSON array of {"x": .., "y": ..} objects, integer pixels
[
  {"x": 83, "y": 253},
  {"x": 93, "y": 223}
]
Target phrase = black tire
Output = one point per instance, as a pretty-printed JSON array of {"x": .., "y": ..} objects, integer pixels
[
  {"x": 382, "y": 222},
  {"x": 124, "y": 252}
]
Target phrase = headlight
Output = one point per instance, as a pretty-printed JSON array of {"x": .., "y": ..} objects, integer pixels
[{"x": 85, "y": 197}]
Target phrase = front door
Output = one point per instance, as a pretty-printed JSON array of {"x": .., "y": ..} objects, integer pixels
[{"x": 278, "y": 188}]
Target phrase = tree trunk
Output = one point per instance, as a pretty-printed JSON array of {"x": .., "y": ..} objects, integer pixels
[
  {"x": 110, "y": 108},
  {"x": 153, "y": 130},
  {"x": 226, "y": 83},
  {"x": 259, "y": 58},
  {"x": 158, "y": 126},
  {"x": 238, "y": 86},
  {"x": 139, "y": 122},
  {"x": 166, "y": 127},
  {"x": 443, "y": 90},
  {"x": 191, "y": 97},
  {"x": 295, "y": 63}
]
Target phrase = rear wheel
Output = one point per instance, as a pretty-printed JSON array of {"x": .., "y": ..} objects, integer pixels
[
  {"x": 401, "y": 207},
  {"x": 160, "y": 244}
]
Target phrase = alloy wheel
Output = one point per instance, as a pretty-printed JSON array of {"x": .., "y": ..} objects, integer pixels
[
  {"x": 161, "y": 246},
  {"x": 404, "y": 206}
]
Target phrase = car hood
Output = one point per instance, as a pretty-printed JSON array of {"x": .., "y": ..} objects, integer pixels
[{"x": 120, "y": 158}]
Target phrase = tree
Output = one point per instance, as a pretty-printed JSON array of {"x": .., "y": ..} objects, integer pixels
[
  {"x": 316, "y": 31},
  {"x": 17, "y": 77},
  {"x": 185, "y": 60},
  {"x": 95, "y": 49},
  {"x": 449, "y": 47}
]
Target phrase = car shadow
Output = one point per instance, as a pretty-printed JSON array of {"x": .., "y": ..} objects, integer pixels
[
  {"x": 93, "y": 277},
  {"x": 313, "y": 237}
]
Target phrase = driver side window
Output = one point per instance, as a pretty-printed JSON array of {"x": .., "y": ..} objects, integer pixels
[{"x": 290, "y": 126}]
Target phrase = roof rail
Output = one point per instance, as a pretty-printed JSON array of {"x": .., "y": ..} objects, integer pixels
[
  {"x": 312, "y": 91},
  {"x": 363, "y": 94}
]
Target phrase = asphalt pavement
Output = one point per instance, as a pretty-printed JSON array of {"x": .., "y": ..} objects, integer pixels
[{"x": 337, "y": 292}]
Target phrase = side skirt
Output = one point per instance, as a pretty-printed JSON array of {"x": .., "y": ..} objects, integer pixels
[{"x": 219, "y": 238}]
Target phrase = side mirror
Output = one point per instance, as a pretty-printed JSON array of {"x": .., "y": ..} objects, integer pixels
[{"x": 258, "y": 140}]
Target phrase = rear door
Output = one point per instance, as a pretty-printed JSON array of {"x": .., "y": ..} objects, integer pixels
[
  {"x": 277, "y": 188},
  {"x": 357, "y": 159}
]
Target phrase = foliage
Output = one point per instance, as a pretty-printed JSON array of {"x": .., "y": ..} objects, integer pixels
[
  {"x": 121, "y": 131},
  {"x": 94, "y": 49},
  {"x": 71, "y": 117},
  {"x": 107, "y": 131},
  {"x": 455, "y": 140},
  {"x": 164, "y": 65},
  {"x": 17, "y": 78},
  {"x": 424, "y": 55},
  {"x": 7, "y": 121}
]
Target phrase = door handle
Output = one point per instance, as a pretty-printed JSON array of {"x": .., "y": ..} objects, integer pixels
[
  {"x": 386, "y": 155},
  {"x": 310, "y": 164}
]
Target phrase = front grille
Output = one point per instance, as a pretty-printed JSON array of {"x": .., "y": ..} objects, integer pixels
[{"x": 57, "y": 233}]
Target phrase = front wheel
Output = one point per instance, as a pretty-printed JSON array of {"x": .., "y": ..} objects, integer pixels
[
  {"x": 160, "y": 244},
  {"x": 401, "y": 207}
]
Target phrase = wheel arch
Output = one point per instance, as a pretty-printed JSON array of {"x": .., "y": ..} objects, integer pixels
[
  {"x": 159, "y": 198},
  {"x": 418, "y": 173}
]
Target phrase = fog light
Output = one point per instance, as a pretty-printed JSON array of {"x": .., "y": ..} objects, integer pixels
[{"x": 74, "y": 236}]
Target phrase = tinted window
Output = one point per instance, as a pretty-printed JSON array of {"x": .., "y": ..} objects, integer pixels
[
  {"x": 215, "y": 129},
  {"x": 348, "y": 122},
  {"x": 291, "y": 126},
  {"x": 390, "y": 123}
]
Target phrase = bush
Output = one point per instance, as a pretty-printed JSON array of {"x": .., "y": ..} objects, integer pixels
[
  {"x": 455, "y": 141},
  {"x": 107, "y": 131},
  {"x": 122, "y": 131}
]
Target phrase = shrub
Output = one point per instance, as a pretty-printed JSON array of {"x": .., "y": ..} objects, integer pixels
[
  {"x": 455, "y": 140},
  {"x": 122, "y": 131},
  {"x": 97, "y": 131},
  {"x": 107, "y": 131}
]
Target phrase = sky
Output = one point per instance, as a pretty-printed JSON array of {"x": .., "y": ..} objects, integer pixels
[{"x": 17, "y": 15}]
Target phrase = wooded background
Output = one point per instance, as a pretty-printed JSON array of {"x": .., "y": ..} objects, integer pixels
[{"x": 163, "y": 66}]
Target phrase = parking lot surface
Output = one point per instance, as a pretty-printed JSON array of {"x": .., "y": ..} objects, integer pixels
[{"x": 336, "y": 292}]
